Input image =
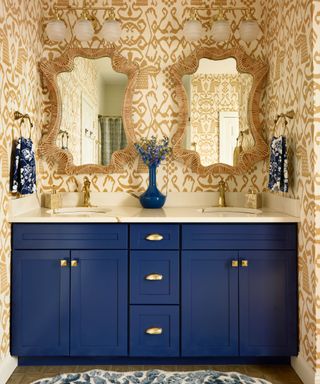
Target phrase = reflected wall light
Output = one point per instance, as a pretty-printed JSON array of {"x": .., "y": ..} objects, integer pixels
[
  {"x": 86, "y": 26},
  {"x": 221, "y": 30}
]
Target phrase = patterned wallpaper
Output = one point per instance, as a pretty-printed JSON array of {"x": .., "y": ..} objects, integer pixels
[
  {"x": 316, "y": 168},
  {"x": 20, "y": 89},
  {"x": 152, "y": 37},
  {"x": 232, "y": 91}
]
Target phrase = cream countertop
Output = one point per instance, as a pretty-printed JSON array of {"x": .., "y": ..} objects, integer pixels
[{"x": 180, "y": 207}]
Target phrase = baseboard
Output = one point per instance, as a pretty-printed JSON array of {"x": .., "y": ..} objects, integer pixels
[
  {"x": 91, "y": 360},
  {"x": 7, "y": 366},
  {"x": 305, "y": 371}
]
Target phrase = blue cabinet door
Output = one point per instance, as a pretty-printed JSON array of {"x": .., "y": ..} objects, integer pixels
[
  {"x": 99, "y": 303},
  {"x": 40, "y": 303},
  {"x": 268, "y": 303},
  {"x": 209, "y": 308}
]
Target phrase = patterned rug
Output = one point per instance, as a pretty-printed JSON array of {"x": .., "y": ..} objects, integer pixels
[{"x": 152, "y": 377}]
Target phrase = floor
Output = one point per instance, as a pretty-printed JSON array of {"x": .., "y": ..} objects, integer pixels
[{"x": 276, "y": 374}]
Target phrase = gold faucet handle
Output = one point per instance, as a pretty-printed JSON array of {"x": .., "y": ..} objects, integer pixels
[
  {"x": 223, "y": 184},
  {"x": 86, "y": 182}
]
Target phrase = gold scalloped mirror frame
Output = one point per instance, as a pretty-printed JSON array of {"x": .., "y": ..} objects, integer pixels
[
  {"x": 48, "y": 148},
  {"x": 245, "y": 64}
]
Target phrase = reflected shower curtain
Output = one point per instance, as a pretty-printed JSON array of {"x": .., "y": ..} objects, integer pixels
[{"x": 113, "y": 137}]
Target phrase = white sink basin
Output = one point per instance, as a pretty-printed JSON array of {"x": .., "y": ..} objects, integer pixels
[
  {"x": 79, "y": 211},
  {"x": 230, "y": 211}
]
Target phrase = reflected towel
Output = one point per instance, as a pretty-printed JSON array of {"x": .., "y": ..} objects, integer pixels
[
  {"x": 24, "y": 168},
  {"x": 278, "y": 170}
]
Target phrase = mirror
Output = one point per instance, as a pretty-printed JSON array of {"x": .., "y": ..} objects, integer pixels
[
  {"x": 91, "y": 120},
  {"x": 217, "y": 127},
  {"x": 90, "y": 93},
  {"x": 219, "y": 124}
]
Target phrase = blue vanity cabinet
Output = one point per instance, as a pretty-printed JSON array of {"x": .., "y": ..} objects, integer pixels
[
  {"x": 40, "y": 303},
  {"x": 70, "y": 302},
  {"x": 130, "y": 292},
  {"x": 239, "y": 296}
]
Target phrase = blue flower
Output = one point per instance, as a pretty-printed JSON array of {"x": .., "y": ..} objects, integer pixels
[{"x": 152, "y": 151}]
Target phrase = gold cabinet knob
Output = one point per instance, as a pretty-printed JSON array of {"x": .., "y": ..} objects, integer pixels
[
  {"x": 235, "y": 263},
  {"x": 74, "y": 263},
  {"x": 63, "y": 263},
  {"x": 154, "y": 331},
  {"x": 244, "y": 263},
  {"x": 154, "y": 237},
  {"x": 154, "y": 277}
]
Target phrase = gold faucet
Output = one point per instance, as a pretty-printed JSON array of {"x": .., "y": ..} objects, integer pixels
[
  {"x": 222, "y": 197},
  {"x": 86, "y": 192}
]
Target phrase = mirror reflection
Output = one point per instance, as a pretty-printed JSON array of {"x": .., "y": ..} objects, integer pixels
[
  {"x": 91, "y": 125},
  {"x": 218, "y": 127}
]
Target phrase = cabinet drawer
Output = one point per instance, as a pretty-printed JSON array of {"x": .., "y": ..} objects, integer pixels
[
  {"x": 70, "y": 236},
  {"x": 154, "y": 277},
  {"x": 239, "y": 236},
  {"x": 154, "y": 236},
  {"x": 154, "y": 330}
]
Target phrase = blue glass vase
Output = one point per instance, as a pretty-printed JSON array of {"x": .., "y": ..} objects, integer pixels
[{"x": 152, "y": 197}]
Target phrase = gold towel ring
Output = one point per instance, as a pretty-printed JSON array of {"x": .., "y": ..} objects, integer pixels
[{"x": 20, "y": 116}]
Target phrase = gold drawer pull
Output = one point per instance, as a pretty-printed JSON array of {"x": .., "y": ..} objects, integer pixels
[
  {"x": 244, "y": 263},
  {"x": 74, "y": 263},
  {"x": 154, "y": 331},
  {"x": 235, "y": 264},
  {"x": 63, "y": 263},
  {"x": 154, "y": 277},
  {"x": 154, "y": 237}
]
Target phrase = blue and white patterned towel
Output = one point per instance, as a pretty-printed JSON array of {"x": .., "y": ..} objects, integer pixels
[
  {"x": 278, "y": 170},
  {"x": 24, "y": 168}
]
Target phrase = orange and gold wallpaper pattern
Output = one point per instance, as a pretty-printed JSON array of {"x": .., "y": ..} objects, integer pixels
[
  {"x": 316, "y": 168},
  {"x": 152, "y": 37}
]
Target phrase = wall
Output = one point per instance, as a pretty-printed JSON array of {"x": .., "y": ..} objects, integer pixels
[
  {"x": 20, "y": 89},
  {"x": 291, "y": 38},
  {"x": 316, "y": 167},
  {"x": 152, "y": 37},
  {"x": 111, "y": 99}
]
